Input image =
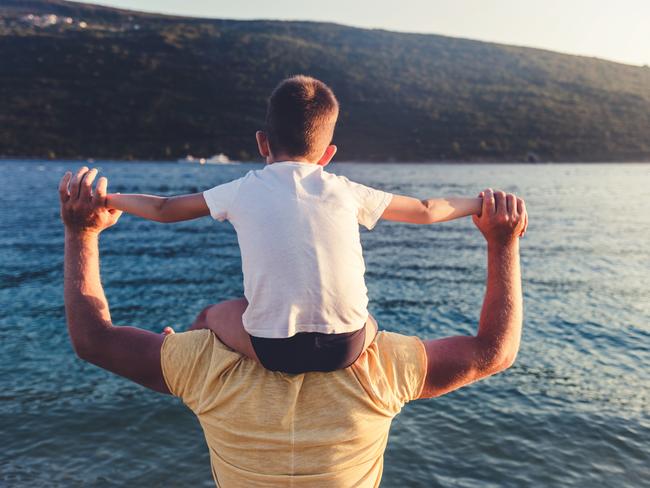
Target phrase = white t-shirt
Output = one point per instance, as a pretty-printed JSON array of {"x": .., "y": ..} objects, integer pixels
[{"x": 298, "y": 231}]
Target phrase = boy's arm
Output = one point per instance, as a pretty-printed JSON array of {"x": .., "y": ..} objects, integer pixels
[
  {"x": 160, "y": 209},
  {"x": 414, "y": 211}
]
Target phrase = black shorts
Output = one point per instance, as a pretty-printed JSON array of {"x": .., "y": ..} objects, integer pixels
[{"x": 310, "y": 351}]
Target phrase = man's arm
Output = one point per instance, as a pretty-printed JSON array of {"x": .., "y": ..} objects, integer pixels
[
  {"x": 127, "y": 351},
  {"x": 414, "y": 211},
  {"x": 160, "y": 209},
  {"x": 454, "y": 362}
]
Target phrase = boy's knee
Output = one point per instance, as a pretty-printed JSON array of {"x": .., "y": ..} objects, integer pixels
[
  {"x": 201, "y": 321},
  {"x": 224, "y": 314}
]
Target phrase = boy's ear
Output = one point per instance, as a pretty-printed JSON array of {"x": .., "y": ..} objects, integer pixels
[
  {"x": 327, "y": 155},
  {"x": 263, "y": 144}
]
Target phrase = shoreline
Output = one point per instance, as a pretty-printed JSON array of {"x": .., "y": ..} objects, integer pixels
[{"x": 432, "y": 162}]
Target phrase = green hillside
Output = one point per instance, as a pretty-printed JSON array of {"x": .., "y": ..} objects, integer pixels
[{"x": 133, "y": 85}]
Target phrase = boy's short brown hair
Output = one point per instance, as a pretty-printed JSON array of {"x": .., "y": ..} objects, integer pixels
[{"x": 300, "y": 117}]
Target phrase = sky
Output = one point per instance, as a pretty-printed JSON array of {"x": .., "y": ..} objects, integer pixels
[{"x": 618, "y": 30}]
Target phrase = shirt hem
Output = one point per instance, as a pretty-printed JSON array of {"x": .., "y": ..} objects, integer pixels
[
  {"x": 163, "y": 368},
  {"x": 309, "y": 328},
  {"x": 377, "y": 212},
  {"x": 424, "y": 359}
]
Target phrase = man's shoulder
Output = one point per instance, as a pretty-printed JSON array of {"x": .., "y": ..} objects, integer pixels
[
  {"x": 395, "y": 363},
  {"x": 192, "y": 342},
  {"x": 396, "y": 346},
  {"x": 189, "y": 358}
]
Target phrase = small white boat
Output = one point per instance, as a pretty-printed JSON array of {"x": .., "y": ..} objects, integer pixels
[
  {"x": 188, "y": 159},
  {"x": 221, "y": 158}
]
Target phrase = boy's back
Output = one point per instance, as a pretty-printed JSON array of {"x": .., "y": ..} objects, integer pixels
[
  {"x": 297, "y": 227},
  {"x": 298, "y": 230}
]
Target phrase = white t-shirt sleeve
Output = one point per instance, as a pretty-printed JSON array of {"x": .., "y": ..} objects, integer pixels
[
  {"x": 220, "y": 199},
  {"x": 372, "y": 203}
]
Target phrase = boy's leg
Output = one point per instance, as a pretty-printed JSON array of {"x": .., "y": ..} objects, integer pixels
[
  {"x": 371, "y": 331},
  {"x": 225, "y": 320}
]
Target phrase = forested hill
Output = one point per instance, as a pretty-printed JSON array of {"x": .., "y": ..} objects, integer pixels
[{"x": 90, "y": 81}]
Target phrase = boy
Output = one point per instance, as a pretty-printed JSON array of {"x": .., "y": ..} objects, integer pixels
[{"x": 298, "y": 230}]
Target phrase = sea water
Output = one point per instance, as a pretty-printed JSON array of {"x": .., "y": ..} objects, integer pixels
[{"x": 573, "y": 410}]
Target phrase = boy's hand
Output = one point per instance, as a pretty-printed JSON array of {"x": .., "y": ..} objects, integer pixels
[
  {"x": 82, "y": 209},
  {"x": 503, "y": 216}
]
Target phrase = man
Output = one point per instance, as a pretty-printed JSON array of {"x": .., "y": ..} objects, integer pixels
[{"x": 273, "y": 429}]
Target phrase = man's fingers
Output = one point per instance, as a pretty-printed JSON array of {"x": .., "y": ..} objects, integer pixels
[
  {"x": 500, "y": 203},
  {"x": 76, "y": 181},
  {"x": 488, "y": 202},
  {"x": 100, "y": 192},
  {"x": 168, "y": 331},
  {"x": 523, "y": 233},
  {"x": 64, "y": 193},
  {"x": 511, "y": 204},
  {"x": 481, "y": 196},
  {"x": 86, "y": 188},
  {"x": 521, "y": 207}
]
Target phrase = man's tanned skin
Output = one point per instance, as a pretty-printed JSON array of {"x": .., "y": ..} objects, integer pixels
[
  {"x": 127, "y": 351},
  {"x": 135, "y": 353},
  {"x": 454, "y": 362}
]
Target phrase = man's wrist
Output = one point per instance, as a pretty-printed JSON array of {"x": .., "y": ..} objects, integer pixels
[
  {"x": 81, "y": 234},
  {"x": 503, "y": 246}
]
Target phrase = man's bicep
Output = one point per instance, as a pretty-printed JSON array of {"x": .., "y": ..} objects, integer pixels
[
  {"x": 453, "y": 362},
  {"x": 132, "y": 353}
]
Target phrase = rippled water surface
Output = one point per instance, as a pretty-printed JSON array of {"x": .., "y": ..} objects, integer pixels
[{"x": 573, "y": 410}]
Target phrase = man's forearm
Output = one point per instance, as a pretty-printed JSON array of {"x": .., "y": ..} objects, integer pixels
[
  {"x": 502, "y": 313},
  {"x": 85, "y": 303}
]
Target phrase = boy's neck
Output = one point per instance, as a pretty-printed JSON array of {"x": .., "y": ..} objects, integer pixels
[{"x": 283, "y": 158}]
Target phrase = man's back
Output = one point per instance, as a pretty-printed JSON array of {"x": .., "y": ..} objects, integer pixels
[{"x": 272, "y": 429}]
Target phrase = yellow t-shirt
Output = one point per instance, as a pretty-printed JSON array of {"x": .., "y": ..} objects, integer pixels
[{"x": 269, "y": 429}]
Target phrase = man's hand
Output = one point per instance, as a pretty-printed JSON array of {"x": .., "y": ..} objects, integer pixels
[
  {"x": 503, "y": 217},
  {"x": 82, "y": 210}
]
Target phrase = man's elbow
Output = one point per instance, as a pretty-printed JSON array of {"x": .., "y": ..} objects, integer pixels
[
  {"x": 507, "y": 360},
  {"x": 495, "y": 354},
  {"x": 83, "y": 351},
  {"x": 87, "y": 349},
  {"x": 501, "y": 360}
]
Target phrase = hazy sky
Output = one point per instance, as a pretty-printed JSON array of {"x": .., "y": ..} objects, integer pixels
[{"x": 612, "y": 29}]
